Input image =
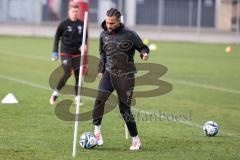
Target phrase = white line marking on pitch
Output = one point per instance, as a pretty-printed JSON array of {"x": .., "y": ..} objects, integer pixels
[
  {"x": 138, "y": 110},
  {"x": 21, "y": 55},
  {"x": 216, "y": 88},
  {"x": 173, "y": 80},
  {"x": 25, "y": 82},
  {"x": 31, "y": 84},
  {"x": 205, "y": 86}
]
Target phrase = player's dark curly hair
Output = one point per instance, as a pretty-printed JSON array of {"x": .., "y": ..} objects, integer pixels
[{"x": 114, "y": 12}]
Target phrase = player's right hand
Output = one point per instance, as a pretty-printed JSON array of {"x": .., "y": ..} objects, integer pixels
[
  {"x": 55, "y": 56},
  {"x": 145, "y": 57}
]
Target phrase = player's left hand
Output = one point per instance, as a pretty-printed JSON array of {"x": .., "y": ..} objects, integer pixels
[
  {"x": 145, "y": 56},
  {"x": 55, "y": 56}
]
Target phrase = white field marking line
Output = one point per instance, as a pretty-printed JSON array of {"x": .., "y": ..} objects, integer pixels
[
  {"x": 35, "y": 85},
  {"x": 216, "y": 88},
  {"x": 31, "y": 84},
  {"x": 188, "y": 123},
  {"x": 173, "y": 80},
  {"x": 177, "y": 81},
  {"x": 22, "y": 55}
]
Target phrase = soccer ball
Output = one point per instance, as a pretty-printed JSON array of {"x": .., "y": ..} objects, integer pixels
[
  {"x": 210, "y": 128},
  {"x": 88, "y": 140}
]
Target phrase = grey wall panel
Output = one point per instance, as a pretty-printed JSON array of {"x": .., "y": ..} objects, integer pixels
[
  {"x": 147, "y": 12},
  {"x": 175, "y": 12}
]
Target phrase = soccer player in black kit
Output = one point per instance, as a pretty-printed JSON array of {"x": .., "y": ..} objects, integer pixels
[
  {"x": 70, "y": 33},
  {"x": 117, "y": 71}
]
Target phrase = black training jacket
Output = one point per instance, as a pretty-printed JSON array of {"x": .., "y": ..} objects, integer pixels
[
  {"x": 117, "y": 50},
  {"x": 70, "y": 33}
]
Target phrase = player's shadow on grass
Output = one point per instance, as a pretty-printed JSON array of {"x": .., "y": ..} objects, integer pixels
[{"x": 125, "y": 149}]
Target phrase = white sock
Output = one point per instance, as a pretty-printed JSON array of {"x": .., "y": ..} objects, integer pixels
[
  {"x": 55, "y": 93},
  {"x": 97, "y": 129},
  {"x": 135, "y": 138},
  {"x": 76, "y": 98}
]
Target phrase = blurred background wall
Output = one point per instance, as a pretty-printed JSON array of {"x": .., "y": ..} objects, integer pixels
[{"x": 188, "y": 15}]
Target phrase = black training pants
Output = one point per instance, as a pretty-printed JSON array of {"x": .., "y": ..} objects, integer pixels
[
  {"x": 69, "y": 64},
  {"x": 124, "y": 87}
]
